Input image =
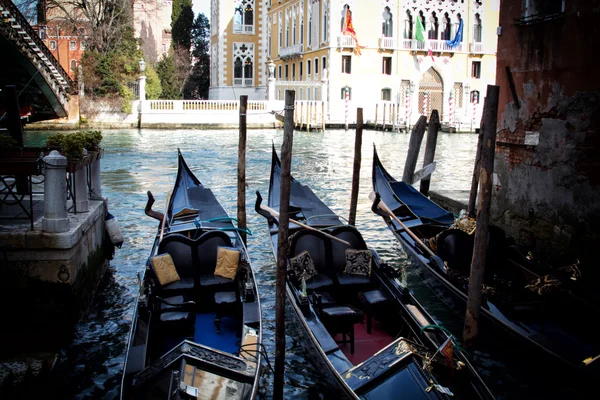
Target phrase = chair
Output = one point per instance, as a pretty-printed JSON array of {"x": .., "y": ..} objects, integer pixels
[
  {"x": 341, "y": 319},
  {"x": 226, "y": 305},
  {"x": 373, "y": 302}
]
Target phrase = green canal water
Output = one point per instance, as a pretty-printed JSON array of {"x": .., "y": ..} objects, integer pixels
[{"x": 136, "y": 161}]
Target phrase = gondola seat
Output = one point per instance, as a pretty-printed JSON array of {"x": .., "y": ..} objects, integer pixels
[
  {"x": 179, "y": 247},
  {"x": 181, "y": 322},
  {"x": 349, "y": 282},
  {"x": 373, "y": 303},
  {"x": 206, "y": 250},
  {"x": 341, "y": 319},
  {"x": 317, "y": 245},
  {"x": 226, "y": 305}
]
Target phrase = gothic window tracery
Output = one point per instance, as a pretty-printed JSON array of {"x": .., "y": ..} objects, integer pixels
[
  {"x": 387, "y": 27},
  {"x": 243, "y": 62},
  {"x": 243, "y": 16}
]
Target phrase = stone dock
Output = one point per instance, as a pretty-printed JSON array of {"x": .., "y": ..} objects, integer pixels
[{"x": 52, "y": 260}]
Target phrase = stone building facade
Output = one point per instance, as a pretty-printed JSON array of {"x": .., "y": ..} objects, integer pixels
[
  {"x": 547, "y": 184},
  {"x": 305, "y": 37}
]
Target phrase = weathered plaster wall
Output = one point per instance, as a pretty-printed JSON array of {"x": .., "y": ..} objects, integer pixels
[{"x": 547, "y": 192}]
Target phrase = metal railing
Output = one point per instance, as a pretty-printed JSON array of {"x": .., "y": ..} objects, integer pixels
[
  {"x": 13, "y": 20},
  {"x": 387, "y": 43},
  {"x": 346, "y": 41},
  {"x": 434, "y": 45},
  {"x": 290, "y": 50}
]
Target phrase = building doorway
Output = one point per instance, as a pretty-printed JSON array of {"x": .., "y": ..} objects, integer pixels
[{"x": 432, "y": 84}]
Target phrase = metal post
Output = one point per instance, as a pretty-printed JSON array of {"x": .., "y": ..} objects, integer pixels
[
  {"x": 430, "y": 145},
  {"x": 55, "y": 218}
]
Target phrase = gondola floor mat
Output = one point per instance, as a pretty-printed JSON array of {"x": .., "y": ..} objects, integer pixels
[{"x": 206, "y": 333}]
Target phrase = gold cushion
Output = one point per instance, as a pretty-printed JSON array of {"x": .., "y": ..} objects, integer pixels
[
  {"x": 227, "y": 262},
  {"x": 165, "y": 269}
]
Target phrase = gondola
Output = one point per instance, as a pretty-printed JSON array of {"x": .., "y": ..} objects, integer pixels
[
  {"x": 196, "y": 330},
  {"x": 535, "y": 314},
  {"x": 364, "y": 332}
]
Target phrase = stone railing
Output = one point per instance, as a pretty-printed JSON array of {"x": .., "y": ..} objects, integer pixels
[{"x": 434, "y": 45}]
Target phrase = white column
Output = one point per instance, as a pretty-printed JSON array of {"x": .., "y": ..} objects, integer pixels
[
  {"x": 96, "y": 182},
  {"x": 81, "y": 193},
  {"x": 142, "y": 87},
  {"x": 55, "y": 194}
]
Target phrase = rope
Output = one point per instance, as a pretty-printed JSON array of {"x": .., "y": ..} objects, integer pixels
[
  {"x": 454, "y": 341},
  {"x": 261, "y": 350}
]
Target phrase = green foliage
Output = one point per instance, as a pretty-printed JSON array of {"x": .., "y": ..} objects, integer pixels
[
  {"x": 126, "y": 99},
  {"x": 72, "y": 145},
  {"x": 167, "y": 73},
  {"x": 92, "y": 139},
  {"x": 198, "y": 82},
  {"x": 106, "y": 72},
  {"x": 181, "y": 23},
  {"x": 153, "y": 85},
  {"x": 56, "y": 140}
]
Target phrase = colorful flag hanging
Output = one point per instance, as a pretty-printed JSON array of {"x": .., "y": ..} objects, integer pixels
[
  {"x": 349, "y": 28},
  {"x": 420, "y": 30},
  {"x": 458, "y": 37}
]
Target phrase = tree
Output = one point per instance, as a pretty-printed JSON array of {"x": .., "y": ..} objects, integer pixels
[
  {"x": 198, "y": 82},
  {"x": 182, "y": 19},
  {"x": 167, "y": 73},
  {"x": 153, "y": 85}
]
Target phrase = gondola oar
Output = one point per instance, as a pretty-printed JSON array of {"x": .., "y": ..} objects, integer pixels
[
  {"x": 276, "y": 215},
  {"x": 381, "y": 204},
  {"x": 162, "y": 227}
]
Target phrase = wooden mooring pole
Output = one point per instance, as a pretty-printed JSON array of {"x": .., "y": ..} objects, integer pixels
[
  {"x": 414, "y": 146},
  {"x": 476, "y": 168},
  {"x": 241, "y": 181},
  {"x": 356, "y": 169},
  {"x": 483, "y": 217},
  {"x": 282, "y": 243},
  {"x": 432, "y": 134}
]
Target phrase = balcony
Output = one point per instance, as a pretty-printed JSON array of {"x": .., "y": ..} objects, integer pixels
[
  {"x": 243, "y": 82},
  {"x": 244, "y": 29},
  {"x": 346, "y": 41},
  {"x": 476, "y": 47},
  {"x": 387, "y": 43},
  {"x": 434, "y": 45},
  {"x": 290, "y": 51}
]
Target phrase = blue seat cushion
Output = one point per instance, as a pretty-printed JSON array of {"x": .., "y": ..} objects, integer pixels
[{"x": 217, "y": 283}]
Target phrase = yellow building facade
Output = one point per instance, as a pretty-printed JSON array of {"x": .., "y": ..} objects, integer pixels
[{"x": 417, "y": 68}]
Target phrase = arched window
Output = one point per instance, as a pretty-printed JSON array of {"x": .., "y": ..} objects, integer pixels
[
  {"x": 243, "y": 60},
  {"x": 432, "y": 32},
  {"x": 294, "y": 32},
  {"x": 387, "y": 26},
  {"x": 310, "y": 26},
  {"x": 408, "y": 25},
  {"x": 475, "y": 96},
  {"x": 301, "y": 30},
  {"x": 243, "y": 16},
  {"x": 477, "y": 29},
  {"x": 73, "y": 65},
  {"x": 325, "y": 24},
  {"x": 280, "y": 31},
  {"x": 446, "y": 28}
]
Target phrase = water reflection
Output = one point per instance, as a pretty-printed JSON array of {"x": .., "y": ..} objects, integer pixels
[{"x": 136, "y": 161}]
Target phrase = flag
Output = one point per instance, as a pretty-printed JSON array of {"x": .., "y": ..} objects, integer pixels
[
  {"x": 431, "y": 54},
  {"x": 458, "y": 37},
  {"x": 349, "y": 28},
  {"x": 420, "y": 29},
  {"x": 447, "y": 351}
]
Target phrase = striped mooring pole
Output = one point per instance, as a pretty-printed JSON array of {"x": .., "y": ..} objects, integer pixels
[
  {"x": 347, "y": 97},
  {"x": 451, "y": 109},
  {"x": 425, "y": 103}
]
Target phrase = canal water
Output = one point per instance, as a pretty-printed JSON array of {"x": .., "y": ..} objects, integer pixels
[{"x": 137, "y": 161}]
